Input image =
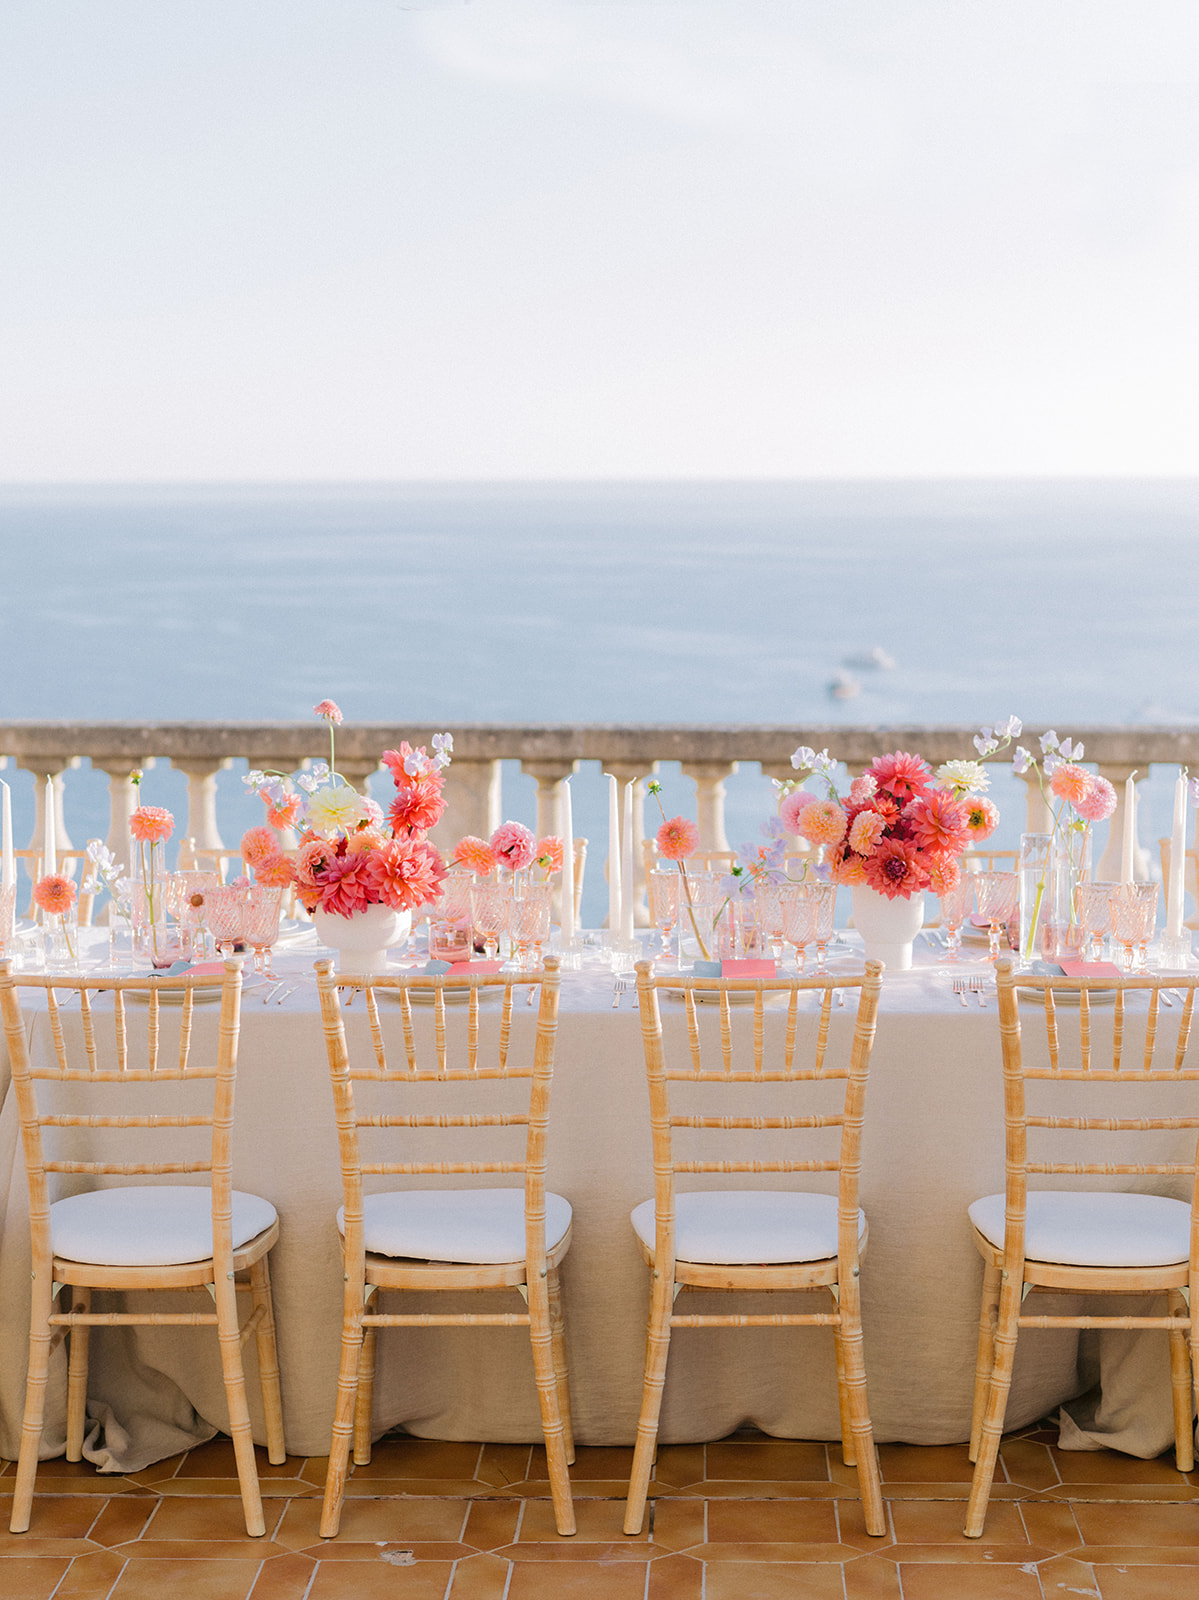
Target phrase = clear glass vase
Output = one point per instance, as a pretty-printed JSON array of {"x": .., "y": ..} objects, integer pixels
[
  {"x": 1070, "y": 865},
  {"x": 1036, "y": 892},
  {"x": 148, "y": 901}
]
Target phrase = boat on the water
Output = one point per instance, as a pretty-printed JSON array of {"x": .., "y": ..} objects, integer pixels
[{"x": 874, "y": 660}]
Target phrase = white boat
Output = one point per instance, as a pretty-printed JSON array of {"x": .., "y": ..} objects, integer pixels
[{"x": 875, "y": 660}]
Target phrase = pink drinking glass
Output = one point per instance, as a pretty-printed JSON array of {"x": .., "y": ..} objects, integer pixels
[
  {"x": 225, "y": 908},
  {"x": 261, "y": 926},
  {"x": 995, "y": 894},
  {"x": 955, "y": 908}
]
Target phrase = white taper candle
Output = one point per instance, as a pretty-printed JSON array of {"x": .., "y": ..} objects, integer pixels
[
  {"x": 626, "y": 870},
  {"x": 568, "y": 867},
  {"x": 1130, "y": 829},
  {"x": 1178, "y": 850},
  {"x": 613, "y": 857},
  {"x": 49, "y": 846},
  {"x": 8, "y": 863}
]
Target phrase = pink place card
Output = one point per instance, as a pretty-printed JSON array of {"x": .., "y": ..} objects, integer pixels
[
  {"x": 748, "y": 969},
  {"x": 205, "y": 969},
  {"x": 459, "y": 969},
  {"x": 1090, "y": 969}
]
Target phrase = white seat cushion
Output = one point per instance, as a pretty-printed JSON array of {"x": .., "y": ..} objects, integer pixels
[
  {"x": 153, "y": 1225},
  {"x": 1088, "y": 1228},
  {"x": 742, "y": 1226},
  {"x": 484, "y": 1226}
]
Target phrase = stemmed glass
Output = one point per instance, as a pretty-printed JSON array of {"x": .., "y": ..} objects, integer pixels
[
  {"x": 1095, "y": 915},
  {"x": 451, "y": 934},
  {"x": 261, "y": 926},
  {"x": 770, "y": 915},
  {"x": 824, "y": 897},
  {"x": 996, "y": 894},
  {"x": 226, "y": 916},
  {"x": 186, "y": 899},
  {"x": 1134, "y": 917},
  {"x": 665, "y": 888},
  {"x": 799, "y": 919},
  {"x": 530, "y": 925},
  {"x": 490, "y": 909},
  {"x": 955, "y": 908}
]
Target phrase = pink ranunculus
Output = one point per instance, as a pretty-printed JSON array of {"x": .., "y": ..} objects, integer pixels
[
  {"x": 258, "y": 843},
  {"x": 982, "y": 817},
  {"x": 937, "y": 821},
  {"x": 1071, "y": 782},
  {"x": 406, "y": 873},
  {"x": 548, "y": 852},
  {"x": 476, "y": 854},
  {"x": 793, "y": 808},
  {"x": 151, "y": 824},
  {"x": 274, "y": 871},
  {"x": 823, "y": 822},
  {"x": 677, "y": 839},
  {"x": 1099, "y": 801},
  {"x": 513, "y": 844},
  {"x": 54, "y": 894},
  {"x": 895, "y": 869},
  {"x": 329, "y": 710},
  {"x": 901, "y": 775},
  {"x": 865, "y": 832}
]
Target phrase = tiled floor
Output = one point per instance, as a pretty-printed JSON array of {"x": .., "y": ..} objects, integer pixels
[{"x": 749, "y": 1518}]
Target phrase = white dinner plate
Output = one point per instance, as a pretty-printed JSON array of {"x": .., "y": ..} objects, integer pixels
[
  {"x": 201, "y": 994},
  {"x": 1068, "y": 997}
]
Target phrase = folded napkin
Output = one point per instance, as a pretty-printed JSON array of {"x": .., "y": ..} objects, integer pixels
[
  {"x": 459, "y": 969},
  {"x": 735, "y": 969},
  {"x": 1089, "y": 969}
]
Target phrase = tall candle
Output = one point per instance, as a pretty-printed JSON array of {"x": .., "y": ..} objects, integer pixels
[
  {"x": 49, "y": 847},
  {"x": 613, "y": 858},
  {"x": 568, "y": 867},
  {"x": 1130, "y": 829},
  {"x": 8, "y": 863},
  {"x": 1178, "y": 851},
  {"x": 626, "y": 870}
]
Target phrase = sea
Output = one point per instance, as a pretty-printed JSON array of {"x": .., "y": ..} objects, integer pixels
[{"x": 1062, "y": 601}]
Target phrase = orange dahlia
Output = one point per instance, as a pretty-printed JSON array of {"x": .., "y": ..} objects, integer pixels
[
  {"x": 678, "y": 839},
  {"x": 55, "y": 895},
  {"x": 150, "y": 824}
]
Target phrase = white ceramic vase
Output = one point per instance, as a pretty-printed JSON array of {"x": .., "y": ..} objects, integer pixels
[
  {"x": 888, "y": 927},
  {"x": 362, "y": 940}
]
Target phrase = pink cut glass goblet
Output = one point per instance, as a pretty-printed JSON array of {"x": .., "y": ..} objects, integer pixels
[
  {"x": 995, "y": 894},
  {"x": 824, "y": 895},
  {"x": 799, "y": 919},
  {"x": 1095, "y": 915},
  {"x": 225, "y": 908},
  {"x": 955, "y": 908},
  {"x": 1134, "y": 917},
  {"x": 451, "y": 931},
  {"x": 261, "y": 929},
  {"x": 530, "y": 926},
  {"x": 491, "y": 911}
]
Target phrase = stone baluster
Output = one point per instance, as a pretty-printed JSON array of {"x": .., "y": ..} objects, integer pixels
[
  {"x": 122, "y": 803},
  {"x": 550, "y": 776},
  {"x": 201, "y": 773},
  {"x": 624, "y": 773},
  {"x": 1107, "y": 869},
  {"x": 710, "y": 779},
  {"x": 472, "y": 799}
]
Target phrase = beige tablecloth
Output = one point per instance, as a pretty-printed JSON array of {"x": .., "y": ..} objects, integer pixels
[{"x": 933, "y": 1143}]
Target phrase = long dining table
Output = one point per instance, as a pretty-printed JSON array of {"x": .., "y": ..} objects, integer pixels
[{"x": 933, "y": 1142}]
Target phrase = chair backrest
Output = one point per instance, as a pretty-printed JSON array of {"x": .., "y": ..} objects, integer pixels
[
  {"x": 1141, "y": 1048},
  {"x": 741, "y": 1064},
  {"x": 199, "y": 858},
  {"x": 990, "y": 860},
  {"x": 449, "y": 1054},
  {"x": 66, "y": 860},
  {"x": 83, "y": 1057}
]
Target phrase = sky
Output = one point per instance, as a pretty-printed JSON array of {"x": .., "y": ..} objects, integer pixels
[{"x": 357, "y": 240}]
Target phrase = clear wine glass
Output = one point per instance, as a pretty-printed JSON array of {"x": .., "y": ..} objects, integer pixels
[
  {"x": 995, "y": 894},
  {"x": 955, "y": 908},
  {"x": 530, "y": 925},
  {"x": 665, "y": 889}
]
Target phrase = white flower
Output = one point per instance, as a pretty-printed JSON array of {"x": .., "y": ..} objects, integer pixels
[
  {"x": 443, "y": 744},
  {"x": 1022, "y": 760},
  {"x": 1048, "y": 742},
  {"x": 253, "y": 778},
  {"x": 803, "y": 758},
  {"x": 964, "y": 776},
  {"x": 334, "y": 809},
  {"x": 1012, "y": 728},
  {"x": 985, "y": 745},
  {"x": 1071, "y": 751},
  {"x": 822, "y": 764}
]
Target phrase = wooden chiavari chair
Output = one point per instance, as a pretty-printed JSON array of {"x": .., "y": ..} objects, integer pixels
[
  {"x": 757, "y": 1238},
  {"x": 146, "y": 1236},
  {"x": 422, "y": 1239},
  {"x": 1096, "y": 1240},
  {"x": 989, "y": 860}
]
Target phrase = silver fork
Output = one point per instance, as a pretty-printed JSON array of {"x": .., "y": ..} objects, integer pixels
[
  {"x": 619, "y": 984},
  {"x": 960, "y": 986},
  {"x": 978, "y": 986}
]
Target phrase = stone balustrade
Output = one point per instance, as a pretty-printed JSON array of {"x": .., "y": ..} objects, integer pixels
[{"x": 707, "y": 754}]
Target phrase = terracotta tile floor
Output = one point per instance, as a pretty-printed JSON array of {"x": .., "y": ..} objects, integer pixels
[{"x": 748, "y": 1518}]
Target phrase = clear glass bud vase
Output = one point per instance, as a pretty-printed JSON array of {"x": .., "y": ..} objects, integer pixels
[{"x": 148, "y": 901}]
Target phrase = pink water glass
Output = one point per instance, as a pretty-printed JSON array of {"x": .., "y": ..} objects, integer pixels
[
  {"x": 491, "y": 911},
  {"x": 799, "y": 919},
  {"x": 995, "y": 894},
  {"x": 956, "y": 904},
  {"x": 530, "y": 924},
  {"x": 187, "y": 894},
  {"x": 824, "y": 896},
  {"x": 1095, "y": 915},
  {"x": 451, "y": 928},
  {"x": 261, "y": 926},
  {"x": 665, "y": 889},
  {"x": 1134, "y": 917},
  {"x": 225, "y": 913}
]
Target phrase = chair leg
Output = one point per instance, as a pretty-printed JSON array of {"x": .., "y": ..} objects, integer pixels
[
  {"x": 229, "y": 1338},
  {"x": 542, "y": 1339},
  {"x": 35, "y": 1402},
  {"x": 268, "y": 1362},
  {"x": 561, "y": 1371},
  {"x": 1180, "y": 1379},
  {"x": 869, "y": 1481},
  {"x": 1006, "y": 1329},
  {"x": 343, "y": 1417},
  {"x": 364, "y": 1405},
  {"x": 80, "y": 1301},
  {"x": 848, "y": 1454},
  {"x": 986, "y": 1353},
  {"x": 657, "y": 1348}
]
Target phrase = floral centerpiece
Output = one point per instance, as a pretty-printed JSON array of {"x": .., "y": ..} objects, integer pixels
[{"x": 353, "y": 861}]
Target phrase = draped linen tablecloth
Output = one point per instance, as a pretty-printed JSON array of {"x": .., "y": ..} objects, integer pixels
[{"x": 933, "y": 1143}]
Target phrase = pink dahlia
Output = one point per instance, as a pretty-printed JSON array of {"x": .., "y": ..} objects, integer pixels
[
  {"x": 823, "y": 822},
  {"x": 900, "y": 775},
  {"x": 982, "y": 816},
  {"x": 513, "y": 845},
  {"x": 849, "y": 872},
  {"x": 311, "y": 860},
  {"x": 678, "y": 839},
  {"x": 944, "y": 874},
  {"x": 329, "y": 710},
  {"x": 862, "y": 789},
  {"x": 257, "y": 843},
  {"x": 406, "y": 874},
  {"x": 793, "y": 808},
  {"x": 55, "y": 895},
  {"x": 1099, "y": 801},
  {"x": 1071, "y": 782},
  {"x": 418, "y": 804},
  {"x": 150, "y": 824},
  {"x": 365, "y": 839},
  {"x": 274, "y": 871},
  {"x": 938, "y": 822},
  {"x": 476, "y": 854},
  {"x": 895, "y": 869},
  {"x": 347, "y": 884},
  {"x": 397, "y": 763},
  {"x": 865, "y": 832},
  {"x": 282, "y": 813},
  {"x": 548, "y": 852}
]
